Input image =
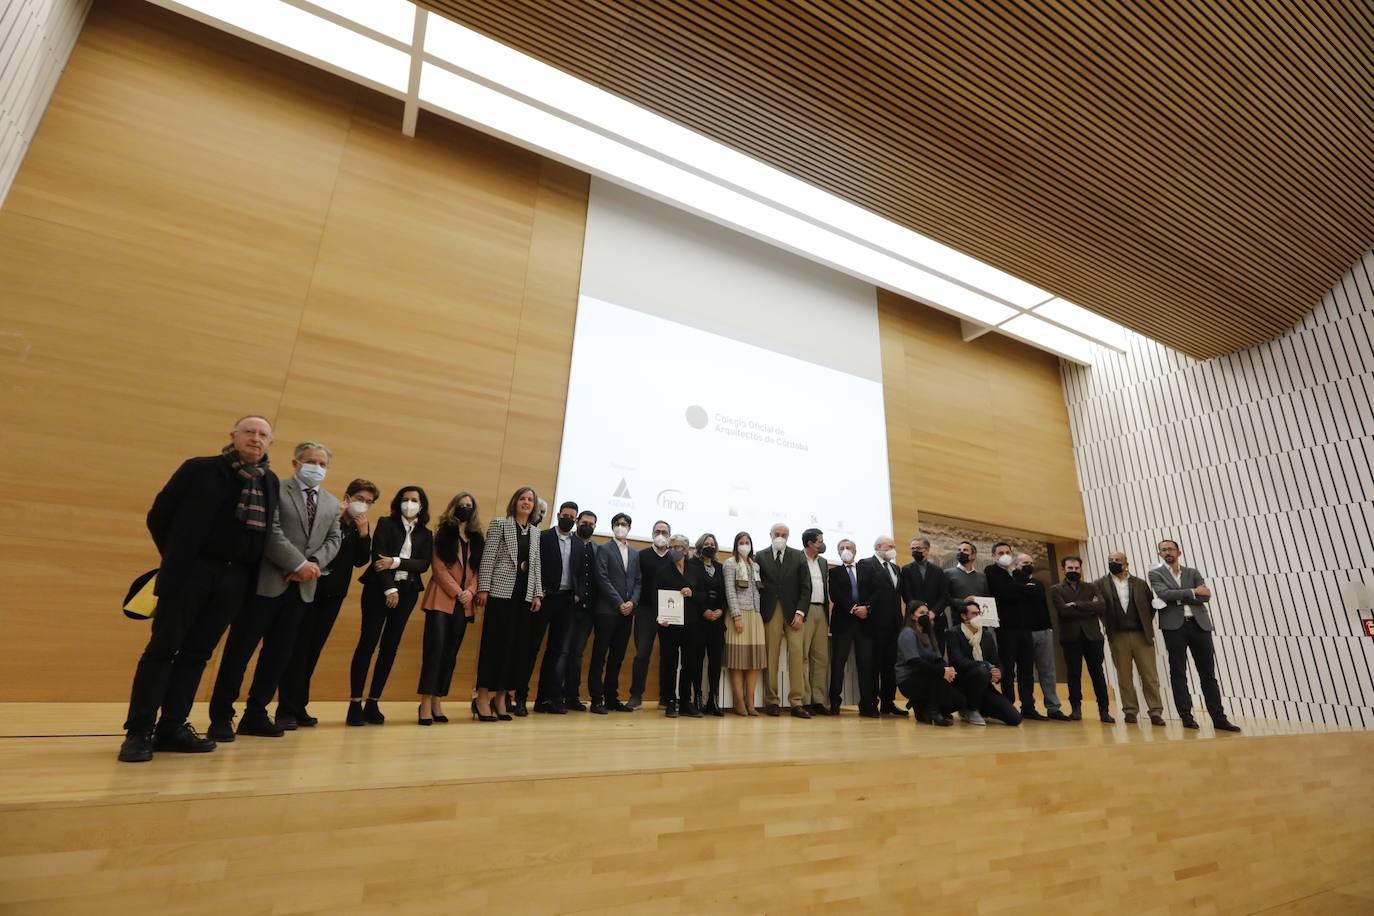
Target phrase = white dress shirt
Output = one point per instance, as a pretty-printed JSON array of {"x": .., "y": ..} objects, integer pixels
[
  {"x": 404, "y": 555},
  {"x": 817, "y": 586}
]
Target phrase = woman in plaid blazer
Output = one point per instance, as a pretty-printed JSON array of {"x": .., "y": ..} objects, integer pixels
[{"x": 509, "y": 587}]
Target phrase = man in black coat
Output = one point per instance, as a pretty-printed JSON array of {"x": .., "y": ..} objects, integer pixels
[
  {"x": 558, "y": 555},
  {"x": 925, "y": 583},
  {"x": 880, "y": 597},
  {"x": 210, "y": 524},
  {"x": 850, "y": 630},
  {"x": 568, "y": 670}
]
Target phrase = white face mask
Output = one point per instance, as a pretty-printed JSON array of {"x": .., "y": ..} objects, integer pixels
[
  {"x": 779, "y": 543},
  {"x": 847, "y": 555},
  {"x": 621, "y": 532},
  {"x": 410, "y": 508},
  {"x": 890, "y": 554},
  {"x": 312, "y": 475},
  {"x": 745, "y": 548},
  {"x": 1004, "y": 560},
  {"x": 660, "y": 541},
  {"x": 357, "y": 507}
]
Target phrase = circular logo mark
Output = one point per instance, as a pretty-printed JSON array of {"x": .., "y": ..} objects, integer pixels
[{"x": 696, "y": 417}]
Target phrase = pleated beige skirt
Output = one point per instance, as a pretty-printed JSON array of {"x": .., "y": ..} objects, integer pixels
[{"x": 746, "y": 651}]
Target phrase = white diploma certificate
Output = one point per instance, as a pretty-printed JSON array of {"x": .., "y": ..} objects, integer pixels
[
  {"x": 671, "y": 606},
  {"x": 987, "y": 607}
]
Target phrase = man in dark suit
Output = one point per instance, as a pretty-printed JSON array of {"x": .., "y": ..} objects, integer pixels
[
  {"x": 583, "y": 619},
  {"x": 1130, "y": 619},
  {"x": 1187, "y": 627},
  {"x": 880, "y": 595},
  {"x": 304, "y": 538},
  {"x": 785, "y": 593},
  {"x": 1080, "y": 609},
  {"x": 210, "y": 524},
  {"x": 850, "y": 628},
  {"x": 973, "y": 654},
  {"x": 653, "y": 560},
  {"x": 1015, "y": 591},
  {"x": 618, "y": 590},
  {"x": 554, "y": 617},
  {"x": 925, "y": 583}
]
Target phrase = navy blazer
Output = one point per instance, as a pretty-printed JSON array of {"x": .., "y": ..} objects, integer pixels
[{"x": 616, "y": 582}]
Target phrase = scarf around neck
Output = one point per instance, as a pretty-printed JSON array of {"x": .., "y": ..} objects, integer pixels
[{"x": 252, "y": 505}]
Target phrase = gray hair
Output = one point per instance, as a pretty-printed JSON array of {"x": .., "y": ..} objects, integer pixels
[
  {"x": 880, "y": 538},
  {"x": 307, "y": 445},
  {"x": 923, "y": 540},
  {"x": 680, "y": 539}
]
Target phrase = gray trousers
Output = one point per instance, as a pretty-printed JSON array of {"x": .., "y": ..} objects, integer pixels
[{"x": 1044, "y": 667}]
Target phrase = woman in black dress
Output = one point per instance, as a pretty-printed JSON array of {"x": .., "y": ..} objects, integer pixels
[{"x": 704, "y": 637}]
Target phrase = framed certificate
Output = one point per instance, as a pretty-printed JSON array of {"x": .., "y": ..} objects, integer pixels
[
  {"x": 987, "y": 608},
  {"x": 671, "y": 606}
]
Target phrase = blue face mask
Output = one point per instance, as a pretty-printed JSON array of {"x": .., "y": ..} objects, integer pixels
[{"x": 312, "y": 475}]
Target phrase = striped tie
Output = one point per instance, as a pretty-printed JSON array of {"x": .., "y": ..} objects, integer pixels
[{"x": 309, "y": 510}]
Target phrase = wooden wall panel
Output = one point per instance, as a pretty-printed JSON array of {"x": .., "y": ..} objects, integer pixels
[{"x": 976, "y": 431}]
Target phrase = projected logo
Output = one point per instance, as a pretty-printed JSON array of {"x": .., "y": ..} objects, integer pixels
[
  {"x": 621, "y": 498},
  {"x": 672, "y": 499},
  {"x": 697, "y": 417}
]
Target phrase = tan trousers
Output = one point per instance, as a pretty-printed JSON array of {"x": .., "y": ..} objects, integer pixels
[
  {"x": 775, "y": 633},
  {"x": 816, "y": 650},
  {"x": 1131, "y": 646}
]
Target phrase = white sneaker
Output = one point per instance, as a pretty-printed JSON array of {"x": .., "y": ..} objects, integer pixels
[{"x": 973, "y": 717}]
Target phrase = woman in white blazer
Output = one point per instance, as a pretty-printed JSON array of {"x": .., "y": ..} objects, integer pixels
[
  {"x": 508, "y": 586},
  {"x": 745, "y": 654}
]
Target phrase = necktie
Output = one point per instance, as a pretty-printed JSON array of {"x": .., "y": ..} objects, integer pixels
[
  {"x": 853, "y": 583},
  {"x": 891, "y": 574},
  {"x": 309, "y": 510}
]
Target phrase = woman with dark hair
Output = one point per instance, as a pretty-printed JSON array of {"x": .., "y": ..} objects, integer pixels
[
  {"x": 510, "y": 589},
  {"x": 745, "y": 652},
  {"x": 923, "y": 675},
  {"x": 458, "y": 544},
  {"x": 704, "y": 637},
  {"x": 401, "y": 551}
]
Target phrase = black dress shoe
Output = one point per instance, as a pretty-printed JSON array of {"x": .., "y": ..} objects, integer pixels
[
  {"x": 635, "y": 703},
  {"x": 441, "y": 718},
  {"x": 941, "y": 720},
  {"x": 619, "y": 706},
  {"x": 599, "y": 709},
  {"x": 372, "y": 713},
  {"x": 286, "y": 721},
  {"x": 690, "y": 710},
  {"x": 835, "y": 710},
  {"x": 891, "y": 709},
  {"x": 478, "y": 716},
  {"x": 355, "y": 713},
  {"x": 556, "y": 708},
  {"x": 1189, "y": 721},
  {"x": 771, "y": 709},
  {"x": 182, "y": 740},
  {"x": 421, "y": 720},
  {"x": 799, "y": 712},
  {"x": 670, "y": 710},
  {"x": 137, "y": 746},
  {"x": 521, "y": 709},
  {"x": 1105, "y": 717},
  {"x": 869, "y": 713},
  {"x": 1131, "y": 719},
  {"x": 1032, "y": 714},
  {"x": 1221, "y": 725},
  {"x": 1154, "y": 719},
  {"x": 1076, "y": 714},
  {"x": 260, "y": 726},
  {"x": 576, "y": 706},
  {"x": 305, "y": 719},
  {"x": 221, "y": 732},
  {"x": 543, "y": 706},
  {"x": 923, "y": 717},
  {"x": 1058, "y": 715},
  {"x": 713, "y": 709}
]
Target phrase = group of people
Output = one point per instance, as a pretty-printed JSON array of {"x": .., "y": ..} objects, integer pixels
[{"x": 271, "y": 560}]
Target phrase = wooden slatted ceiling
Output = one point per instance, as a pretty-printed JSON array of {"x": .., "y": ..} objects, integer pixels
[{"x": 1201, "y": 172}]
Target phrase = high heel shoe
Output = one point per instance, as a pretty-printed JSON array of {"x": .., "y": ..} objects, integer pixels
[
  {"x": 503, "y": 716},
  {"x": 478, "y": 716},
  {"x": 421, "y": 720},
  {"x": 440, "y": 717}
]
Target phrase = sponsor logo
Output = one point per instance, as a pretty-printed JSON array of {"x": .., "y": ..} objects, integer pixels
[
  {"x": 622, "y": 491},
  {"x": 671, "y": 499}
]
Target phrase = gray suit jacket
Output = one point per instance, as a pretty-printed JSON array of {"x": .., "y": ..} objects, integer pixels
[
  {"x": 290, "y": 544},
  {"x": 1178, "y": 593},
  {"x": 616, "y": 582}
]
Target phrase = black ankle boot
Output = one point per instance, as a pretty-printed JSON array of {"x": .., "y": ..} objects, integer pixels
[
  {"x": 355, "y": 713},
  {"x": 372, "y": 714}
]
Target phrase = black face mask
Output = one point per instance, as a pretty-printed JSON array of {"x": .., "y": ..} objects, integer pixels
[
  {"x": 923, "y": 622},
  {"x": 1115, "y": 568},
  {"x": 585, "y": 530},
  {"x": 1025, "y": 571},
  {"x": 465, "y": 513},
  {"x": 1072, "y": 576},
  {"x": 566, "y": 524},
  {"x": 917, "y": 556},
  {"x": 962, "y": 558},
  {"x": 708, "y": 552}
]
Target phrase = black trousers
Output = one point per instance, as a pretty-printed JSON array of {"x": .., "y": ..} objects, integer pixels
[
  {"x": 380, "y": 624},
  {"x": 885, "y": 660},
  {"x": 186, "y": 629},
  {"x": 1192, "y": 638},
  {"x": 611, "y": 636},
  {"x": 646, "y": 630},
  {"x": 570, "y": 656},
  {"x": 1076, "y": 652},
  {"x": 554, "y": 617},
  {"x": 443, "y": 638},
  {"x": 273, "y": 622},
  {"x": 669, "y": 658},
  {"x": 976, "y": 686},
  {"x": 501, "y": 654},
  {"x": 862, "y": 643},
  {"x": 701, "y": 645},
  {"x": 1017, "y": 648},
  {"x": 932, "y": 693},
  {"x": 294, "y": 693}
]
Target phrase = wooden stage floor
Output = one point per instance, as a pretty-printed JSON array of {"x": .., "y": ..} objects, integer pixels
[{"x": 635, "y": 812}]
